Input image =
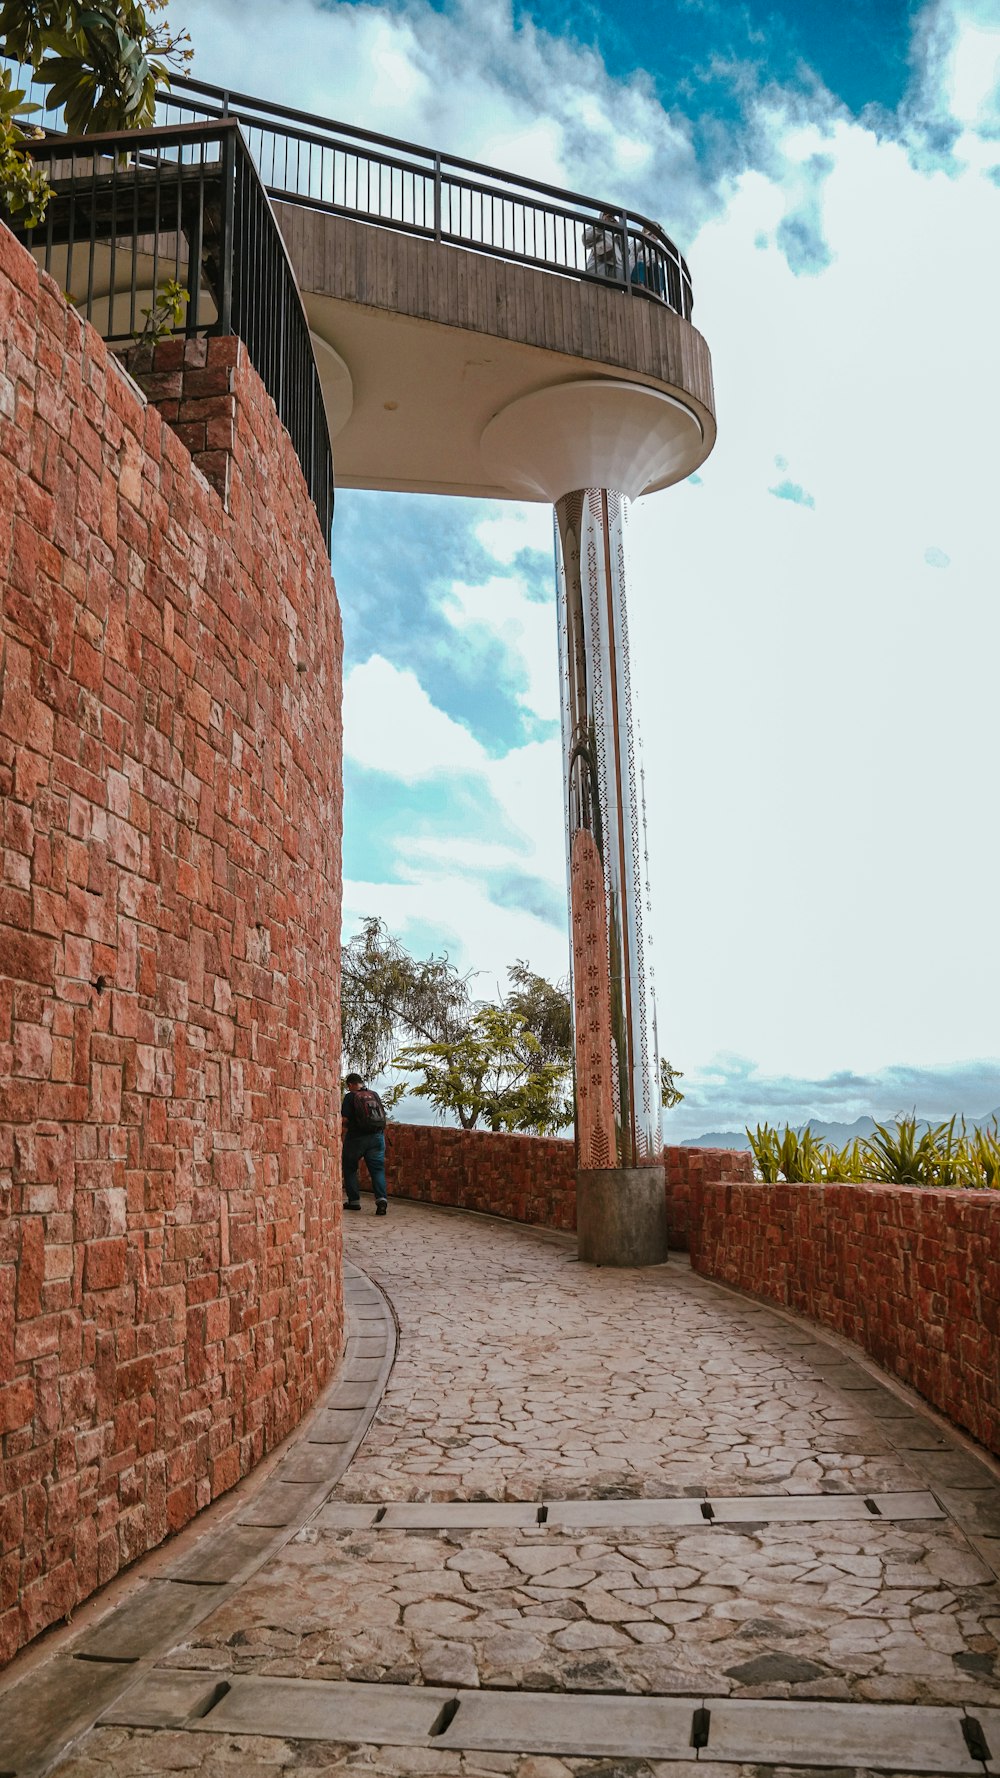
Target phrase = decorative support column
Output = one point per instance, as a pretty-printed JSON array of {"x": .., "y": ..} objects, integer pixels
[
  {"x": 593, "y": 436},
  {"x": 621, "y": 1205}
]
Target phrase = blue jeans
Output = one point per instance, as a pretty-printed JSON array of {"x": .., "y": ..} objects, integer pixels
[{"x": 370, "y": 1149}]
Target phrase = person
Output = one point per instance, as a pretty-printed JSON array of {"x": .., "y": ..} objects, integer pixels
[
  {"x": 647, "y": 270},
  {"x": 363, "y": 1121},
  {"x": 602, "y": 242}
]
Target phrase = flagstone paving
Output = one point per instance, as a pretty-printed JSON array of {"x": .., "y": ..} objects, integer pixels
[{"x": 523, "y": 1376}]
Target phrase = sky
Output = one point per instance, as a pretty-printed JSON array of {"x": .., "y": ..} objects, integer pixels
[{"x": 815, "y": 616}]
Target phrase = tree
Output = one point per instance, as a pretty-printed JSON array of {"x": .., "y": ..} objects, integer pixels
[
  {"x": 24, "y": 188},
  {"x": 388, "y": 996},
  {"x": 493, "y": 1071},
  {"x": 103, "y": 60}
]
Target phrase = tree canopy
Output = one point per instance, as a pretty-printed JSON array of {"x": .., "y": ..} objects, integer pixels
[
  {"x": 102, "y": 62},
  {"x": 506, "y": 1064}
]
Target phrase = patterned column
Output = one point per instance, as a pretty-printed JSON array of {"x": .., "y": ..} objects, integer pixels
[{"x": 617, "y": 1068}]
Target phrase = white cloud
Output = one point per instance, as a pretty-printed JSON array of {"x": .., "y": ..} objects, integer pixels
[
  {"x": 390, "y": 725},
  {"x": 500, "y": 611}
]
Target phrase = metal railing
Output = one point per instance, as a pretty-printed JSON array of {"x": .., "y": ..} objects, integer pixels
[
  {"x": 325, "y": 165},
  {"x": 132, "y": 212}
]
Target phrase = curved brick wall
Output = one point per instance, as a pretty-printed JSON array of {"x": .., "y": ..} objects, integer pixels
[
  {"x": 529, "y": 1178},
  {"x": 169, "y": 923},
  {"x": 910, "y": 1275}
]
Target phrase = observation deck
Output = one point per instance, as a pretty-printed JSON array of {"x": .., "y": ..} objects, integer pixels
[{"x": 473, "y": 332}]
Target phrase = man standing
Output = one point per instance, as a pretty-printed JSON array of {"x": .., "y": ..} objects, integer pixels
[{"x": 363, "y": 1118}]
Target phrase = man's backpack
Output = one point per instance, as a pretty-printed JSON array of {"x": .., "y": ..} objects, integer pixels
[{"x": 368, "y": 1113}]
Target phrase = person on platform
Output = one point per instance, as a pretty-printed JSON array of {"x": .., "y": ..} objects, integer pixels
[{"x": 363, "y": 1117}]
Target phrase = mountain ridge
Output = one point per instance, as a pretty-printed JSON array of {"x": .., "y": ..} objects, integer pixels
[{"x": 837, "y": 1134}]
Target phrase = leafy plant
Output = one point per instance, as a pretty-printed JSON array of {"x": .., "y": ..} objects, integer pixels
[
  {"x": 24, "y": 187},
  {"x": 984, "y": 1158},
  {"x": 670, "y": 1093},
  {"x": 166, "y": 313},
  {"x": 898, "y": 1155},
  {"x": 766, "y": 1150},
  {"x": 102, "y": 60},
  {"x": 844, "y": 1164},
  {"x": 493, "y": 1072}
]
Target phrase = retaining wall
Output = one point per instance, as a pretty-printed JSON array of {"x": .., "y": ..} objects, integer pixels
[
  {"x": 529, "y": 1178},
  {"x": 170, "y": 764},
  {"x": 912, "y": 1276}
]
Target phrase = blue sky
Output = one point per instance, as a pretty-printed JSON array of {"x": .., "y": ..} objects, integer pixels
[{"x": 815, "y": 617}]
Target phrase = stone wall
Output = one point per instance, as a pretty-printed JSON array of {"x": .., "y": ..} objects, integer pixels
[
  {"x": 170, "y": 768},
  {"x": 529, "y": 1178},
  {"x": 911, "y": 1275}
]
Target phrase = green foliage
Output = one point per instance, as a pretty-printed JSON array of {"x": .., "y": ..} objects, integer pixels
[
  {"x": 897, "y": 1154},
  {"x": 670, "y": 1092},
  {"x": 166, "y": 313},
  {"x": 388, "y": 996},
  {"x": 24, "y": 187},
  {"x": 493, "y": 1072},
  {"x": 508, "y": 1065},
  {"x": 102, "y": 60}
]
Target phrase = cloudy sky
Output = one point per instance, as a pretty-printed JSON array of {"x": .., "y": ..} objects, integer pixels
[{"x": 815, "y": 617}]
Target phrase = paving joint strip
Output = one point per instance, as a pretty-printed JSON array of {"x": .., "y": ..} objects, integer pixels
[
  {"x": 49, "y": 1709},
  {"x": 878, "y": 1737}
]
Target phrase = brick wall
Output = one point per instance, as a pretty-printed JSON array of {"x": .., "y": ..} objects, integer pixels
[
  {"x": 526, "y": 1178},
  {"x": 170, "y": 757},
  {"x": 911, "y": 1275},
  {"x": 529, "y": 1178}
]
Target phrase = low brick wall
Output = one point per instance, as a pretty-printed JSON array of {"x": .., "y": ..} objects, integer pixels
[
  {"x": 170, "y": 753},
  {"x": 912, "y": 1276},
  {"x": 525, "y": 1178},
  {"x": 529, "y": 1178}
]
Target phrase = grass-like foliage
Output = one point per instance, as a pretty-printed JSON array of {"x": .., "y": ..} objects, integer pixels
[{"x": 900, "y": 1153}]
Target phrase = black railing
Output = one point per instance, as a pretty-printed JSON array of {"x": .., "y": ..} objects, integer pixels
[
  {"x": 324, "y": 165},
  {"x": 134, "y": 212}
]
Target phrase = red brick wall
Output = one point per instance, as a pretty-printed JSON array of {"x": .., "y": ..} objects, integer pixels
[
  {"x": 911, "y": 1275},
  {"x": 685, "y": 1169},
  {"x": 528, "y": 1178},
  {"x": 170, "y": 758}
]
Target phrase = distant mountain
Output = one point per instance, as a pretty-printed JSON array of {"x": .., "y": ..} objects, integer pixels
[{"x": 838, "y": 1135}]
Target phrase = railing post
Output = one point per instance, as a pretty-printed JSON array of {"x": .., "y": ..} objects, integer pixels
[
  {"x": 228, "y": 229},
  {"x": 437, "y": 197},
  {"x": 225, "y": 103},
  {"x": 625, "y": 264}
]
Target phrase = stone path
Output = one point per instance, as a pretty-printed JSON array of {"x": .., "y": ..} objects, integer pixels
[{"x": 603, "y": 1523}]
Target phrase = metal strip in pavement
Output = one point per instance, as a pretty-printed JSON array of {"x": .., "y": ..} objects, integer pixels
[
  {"x": 789, "y": 1733},
  {"x": 622, "y": 1515}
]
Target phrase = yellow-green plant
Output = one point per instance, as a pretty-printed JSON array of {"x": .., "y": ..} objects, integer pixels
[
  {"x": 24, "y": 187},
  {"x": 845, "y": 1164},
  {"x": 984, "y": 1158},
  {"x": 765, "y": 1148},
  {"x": 899, "y": 1156},
  {"x": 166, "y": 313}
]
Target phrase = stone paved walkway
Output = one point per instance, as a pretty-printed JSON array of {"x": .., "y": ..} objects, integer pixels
[{"x": 523, "y": 1376}]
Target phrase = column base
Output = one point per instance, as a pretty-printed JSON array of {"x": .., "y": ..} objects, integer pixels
[{"x": 621, "y": 1216}]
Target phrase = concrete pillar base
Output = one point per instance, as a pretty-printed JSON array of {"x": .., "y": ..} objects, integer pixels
[{"x": 621, "y": 1216}]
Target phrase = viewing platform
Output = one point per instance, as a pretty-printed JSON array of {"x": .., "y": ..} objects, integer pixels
[{"x": 440, "y": 294}]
